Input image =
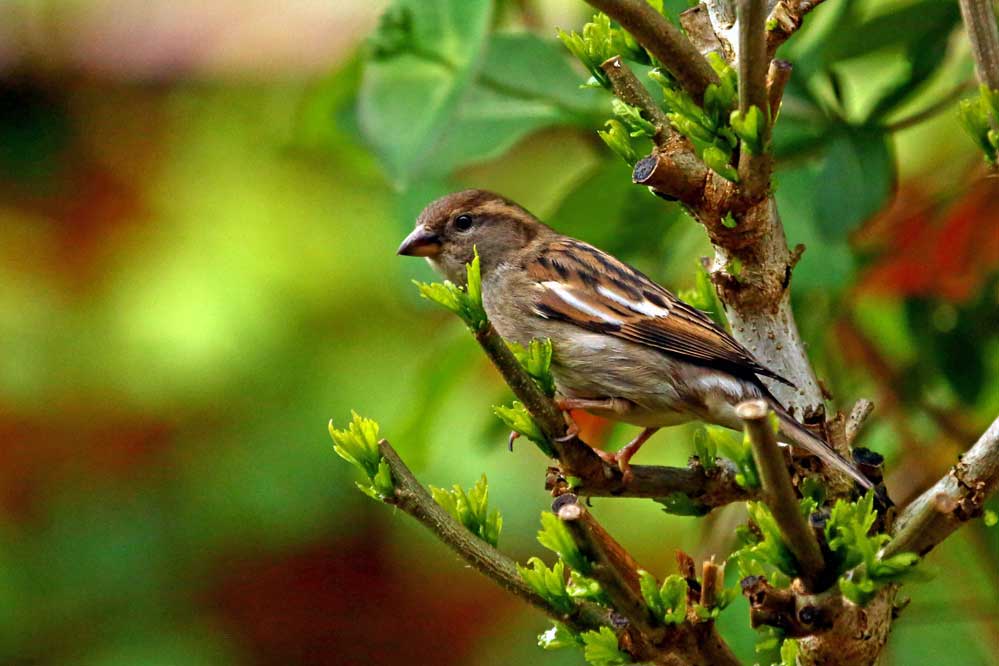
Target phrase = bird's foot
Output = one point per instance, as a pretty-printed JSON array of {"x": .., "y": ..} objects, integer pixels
[
  {"x": 514, "y": 435},
  {"x": 572, "y": 429},
  {"x": 622, "y": 458}
]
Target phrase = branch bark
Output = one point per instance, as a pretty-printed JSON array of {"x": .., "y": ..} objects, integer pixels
[
  {"x": 956, "y": 498},
  {"x": 412, "y": 498},
  {"x": 664, "y": 41},
  {"x": 630, "y": 90},
  {"x": 703, "y": 488},
  {"x": 687, "y": 644},
  {"x": 754, "y": 169},
  {"x": 980, "y": 22},
  {"x": 778, "y": 492},
  {"x": 786, "y": 17}
]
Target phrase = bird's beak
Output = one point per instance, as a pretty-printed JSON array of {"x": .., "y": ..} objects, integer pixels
[{"x": 421, "y": 243}]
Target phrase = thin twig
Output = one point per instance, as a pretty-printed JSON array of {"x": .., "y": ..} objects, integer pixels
[
  {"x": 412, "y": 498},
  {"x": 613, "y": 567},
  {"x": 858, "y": 416},
  {"x": 778, "y": 492},
  {"x": 630, "y": 90},
  {"x": 980, "y": 22},
  {"x": 956, "y": 498},
  {"x": 664, "y": 41},
  {"x": 786, "y": 17},
  {"x": 777, "y": 77},
  {"x": 754, "y": 169}
]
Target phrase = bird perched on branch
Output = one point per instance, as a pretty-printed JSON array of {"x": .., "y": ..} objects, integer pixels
[{"x": 624, "y": 347}]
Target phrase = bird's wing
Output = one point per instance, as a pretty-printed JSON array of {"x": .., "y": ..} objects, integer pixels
[{"x": 579, "y": 284}]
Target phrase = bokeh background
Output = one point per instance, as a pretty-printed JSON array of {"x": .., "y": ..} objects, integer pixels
[{"x": 199, "y": 210}]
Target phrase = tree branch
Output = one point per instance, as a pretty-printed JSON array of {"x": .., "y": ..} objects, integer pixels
[
  {"x": 664, "y": 41},
  {"x": 786, "y": 18},
  {"x": 797, "y": 613},
  {"x": 980, "y": 22},
  {"x": 705, "y": 489},
  {"x": 754, "y": 169},
  {"x": 858, "y": 415},
  {"x": 689, "y": 643},
  {"x": 778, "y": 492},
  {"x": 630, "y": 90},
  {"x": 411, "y": 497},
  {"x": 613, "y": 567},
  {"x": 956, "y": 498}
]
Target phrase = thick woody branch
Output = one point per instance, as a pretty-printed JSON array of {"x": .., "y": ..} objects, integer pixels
[
  {"x": 785, "y": 18},
  {"x": 689, "y": 644},
  {"x": 613, "y": 567},
  {"x": 955, "y": 499},
  {"x": 797, "y": 613},
  {"x": 630, "y": 90},
  {"x": 754, "y": 169},
  {"x": 705, "y": 489},
  {"x": 980, "y": 22},
  {"x": 673, "y": 171},
  {"x": 778, "y": 492},
  {"x": 412, "y": 498},
  {"x": 697, "y": 24},
  {"x": 664, "y": 41}
]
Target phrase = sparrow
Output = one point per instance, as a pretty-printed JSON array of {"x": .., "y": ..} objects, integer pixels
[{"x": 624, "y": 347}]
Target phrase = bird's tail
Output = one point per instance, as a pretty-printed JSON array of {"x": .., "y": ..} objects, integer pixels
[{"x": 802, "y": 438}]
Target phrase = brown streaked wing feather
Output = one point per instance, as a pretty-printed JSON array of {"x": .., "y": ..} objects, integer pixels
[{"x": 580, "y": 269}]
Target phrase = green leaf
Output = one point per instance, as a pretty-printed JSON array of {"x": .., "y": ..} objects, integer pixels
[
  {"x": 650, "y": 592},
  {"x": 601, "y": 40},
  {"x": 631, "y": 116},
  {"x": 558, "y": 637},
  {"x": 735, "y": 447},
  {"x": 536, "y": 359},
  {"x": 554, "y": 536},
  {"x": 673, "y": 594},
  {"x": 855, "y": 180},
  {"x": 471, "y": 509},
  {"x": 750, "y": 128},
  {"x": 358, "y": 445},
  {"x": 617, "y": 139},
  {"x": 548, "y": 583},
  {"x": 718, "y": 160},
  {"x": 789, "y": 652},
  {"x": 581, "y": 587},
  {"x": 600, "y": 648},
  {"x": 466, "y": 302},
  {"x": 532, "y": 68},
  {"x": 424, "y": 59},
  {"x": 679, "y": 503},
  {"x": 517, "y": 418}
]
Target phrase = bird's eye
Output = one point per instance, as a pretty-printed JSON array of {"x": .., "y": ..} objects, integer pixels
[{"x": 463, "y": 222}]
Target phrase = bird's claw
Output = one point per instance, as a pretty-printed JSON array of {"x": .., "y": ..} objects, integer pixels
[{"x": 514, "y": 435}]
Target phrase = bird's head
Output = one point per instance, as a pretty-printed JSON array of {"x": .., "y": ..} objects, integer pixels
[{"x": 452, "y": 228}]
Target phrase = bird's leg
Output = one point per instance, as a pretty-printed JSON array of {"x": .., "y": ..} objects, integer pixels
[
  {"x": 514, "y": 435},
  {"x": 624, "y": 455},
  {"x": 619, "y": 406}
]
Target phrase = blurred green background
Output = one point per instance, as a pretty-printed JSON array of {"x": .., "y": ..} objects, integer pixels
[{"x": 199, "y": 210}]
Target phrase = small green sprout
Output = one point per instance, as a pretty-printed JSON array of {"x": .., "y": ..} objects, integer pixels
[
  {"x": 763, "y": 548},
  {"x": 599, "y": 41},
  {"x": 789, "y": 652},
  {"x": 979, "y": 116},
  {"x": 617, "y": 139},
  {"x": 861, "y": 571},
  {"x": 558, "y": 637},
  {"x": 358, "y": 445},
  {"x": 466, "y": 302},
  {"x": 581, "y": 587},
  {"x": 554, "y": 536},
  {"x": 678, "y": 503},
  {"x": 548, "y": 583},
  {"x": 600, "y": 648},
  {"x": 517, "y": 418},
  {"x": 471, "y": 509},
  {"x": 668, "y": 602},
  {"x": 631, "y": 116},
  {"x": 536, "y": 359},
  {"x": 751, "y": 128},
  {"x": 736, "y": 448}
]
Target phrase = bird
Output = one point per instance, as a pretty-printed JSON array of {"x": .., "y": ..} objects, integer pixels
[{"x": 623, "y": 347}]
